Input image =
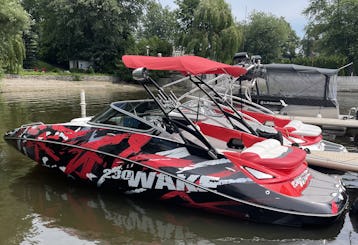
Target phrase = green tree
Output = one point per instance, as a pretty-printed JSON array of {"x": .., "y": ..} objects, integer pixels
[
  {"x": 333, "y": 28},
  {"x": 185, "y": 15},
  {"x": 307, "y": 46},
  {"x": 14, "y": 21},
  {"x": 270, "y": 36},
  {"x": 158, "y": 21},
  {"x": 153, "y": 46},
  {"x": 157, "y": 30},
  {"x": 332, "y": 62},
  {"x": 212, "y": 32},
  {"x": 95, "y": 30},
  {"x": 31, "y": 46}
]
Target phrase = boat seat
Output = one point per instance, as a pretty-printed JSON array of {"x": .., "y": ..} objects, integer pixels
[
  {"x": 303, "y": 129},
  {"x": 291, "y": 126},
  {"x": 270, "y": 153}
]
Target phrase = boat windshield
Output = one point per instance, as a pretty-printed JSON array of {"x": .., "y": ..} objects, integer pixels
[{"x": 138, "y": 115}]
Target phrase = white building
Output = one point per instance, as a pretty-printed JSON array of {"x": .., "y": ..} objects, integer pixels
[{"x": 80, "y": 64}]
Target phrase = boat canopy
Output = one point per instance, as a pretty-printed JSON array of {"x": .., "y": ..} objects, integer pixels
[
  {"x": 188, "y": 65},
  {"x": 290, "y": 80},
  {"x": 300, "y": 68}
]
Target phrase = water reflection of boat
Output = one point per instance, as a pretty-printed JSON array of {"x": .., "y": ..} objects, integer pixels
[
  {"x": 137, "y": 148},
  {"x": 117, "y": 218}
]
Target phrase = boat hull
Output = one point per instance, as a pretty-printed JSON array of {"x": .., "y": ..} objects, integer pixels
[{"x": 158, "y": 169}]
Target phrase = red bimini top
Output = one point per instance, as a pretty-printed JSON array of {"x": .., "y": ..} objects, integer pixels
[{"x": 188, "y": 65}]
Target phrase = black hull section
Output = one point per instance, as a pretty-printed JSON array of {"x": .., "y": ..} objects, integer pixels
[{"x": 206, "y": 201}]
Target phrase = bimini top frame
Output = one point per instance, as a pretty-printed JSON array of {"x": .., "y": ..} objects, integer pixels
[{"x": 191, "y": 66}]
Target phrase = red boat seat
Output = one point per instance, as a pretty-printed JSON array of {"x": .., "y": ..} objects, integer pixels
[{"x": 292, "y": 126}]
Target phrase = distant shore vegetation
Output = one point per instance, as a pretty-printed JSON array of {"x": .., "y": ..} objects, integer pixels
[{"x": 46, "y": 35}]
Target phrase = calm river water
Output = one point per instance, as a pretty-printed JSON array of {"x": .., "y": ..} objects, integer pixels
[{"x": 38, "y": 207}]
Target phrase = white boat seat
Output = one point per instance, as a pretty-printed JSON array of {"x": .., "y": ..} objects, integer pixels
[
  {"x": 303, "y": 129},
  {"x": 269, "y": 148},
  {"x": 272, "y": 154}
]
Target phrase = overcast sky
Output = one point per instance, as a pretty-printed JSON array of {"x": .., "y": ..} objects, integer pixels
[{"x": 291, "y": 10}]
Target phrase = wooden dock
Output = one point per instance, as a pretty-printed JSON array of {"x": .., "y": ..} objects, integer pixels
[
  {"x": 330, "y": 126},
  {"x": 344, "y": 161},
  {"x": 348, "y": 123}
]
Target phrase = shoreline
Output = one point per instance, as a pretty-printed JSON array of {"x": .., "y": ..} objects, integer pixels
[{"x": 16, "y": 84}]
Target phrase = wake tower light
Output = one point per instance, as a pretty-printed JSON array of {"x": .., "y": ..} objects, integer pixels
[{"x": 140, "y": 74}]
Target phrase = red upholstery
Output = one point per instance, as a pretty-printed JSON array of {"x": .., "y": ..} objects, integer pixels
[
  {"x": 225, "y": 134},
  {"x": 307, "y": 139},
  {"x": 282, "y": 169},
  {"x": 293, "y": 158},
  {"x": 263, "y": 118},
  {"x": 286, "y": 131}
]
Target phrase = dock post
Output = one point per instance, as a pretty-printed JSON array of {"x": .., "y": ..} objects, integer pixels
[{"x": 83, "y": 103}]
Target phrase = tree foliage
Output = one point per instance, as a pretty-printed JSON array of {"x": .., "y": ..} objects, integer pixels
[
  {"x": 269, "y": 36},
  {"x": 154, "y": 46},
  {"x": 13, "y": 21},
  {"x": 185, "y": 15},
  {"x": 332, "y": 28},
  {"x": 212, "y": 32},
  {"x": 30, "y": 38},
  {"x": 158, "y": 21},
  {"x": 332, "y": 62},
  {"x": 157, "y": 31},
  {"x": 102, "y": 31},
  {"x": 95, "y": 30}
]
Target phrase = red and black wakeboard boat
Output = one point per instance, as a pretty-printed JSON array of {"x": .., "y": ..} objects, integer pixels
[{"x": 140, "y": 149}]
